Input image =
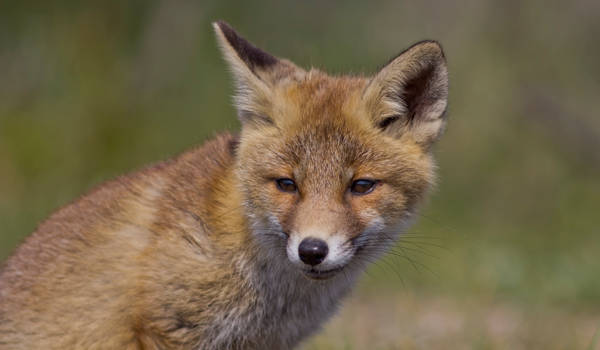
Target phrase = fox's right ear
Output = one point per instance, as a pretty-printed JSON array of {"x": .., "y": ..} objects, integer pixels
[{"x": 255, "y": 72}]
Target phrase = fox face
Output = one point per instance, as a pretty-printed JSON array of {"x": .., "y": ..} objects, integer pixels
[{"x": 332, "y": 168}]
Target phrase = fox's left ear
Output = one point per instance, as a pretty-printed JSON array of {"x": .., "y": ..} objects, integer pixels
[
  {"x": 255, "y": 71},
  {"x": 410, "y": 93}
]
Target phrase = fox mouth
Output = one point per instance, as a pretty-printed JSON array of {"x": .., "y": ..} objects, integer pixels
[{"x": 322, "y": 274}]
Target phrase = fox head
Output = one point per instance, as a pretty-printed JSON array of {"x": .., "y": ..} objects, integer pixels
[{"x": 332, "y": 167}]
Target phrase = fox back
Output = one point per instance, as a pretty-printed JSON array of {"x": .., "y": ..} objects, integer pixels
[{"x": 250, "y": 241}]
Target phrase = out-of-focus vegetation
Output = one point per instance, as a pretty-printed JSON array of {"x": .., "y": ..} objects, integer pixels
[{"x": 506, "y": 254}]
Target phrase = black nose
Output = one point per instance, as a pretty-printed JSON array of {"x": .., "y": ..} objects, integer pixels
[{"x": 312, "y": 251}]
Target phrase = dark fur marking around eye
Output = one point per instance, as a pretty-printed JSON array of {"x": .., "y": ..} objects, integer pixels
[
  {"x": 387, "y": 121},
  {"x": 286, "y": 185},
  {"x": 362, "y": 186}
]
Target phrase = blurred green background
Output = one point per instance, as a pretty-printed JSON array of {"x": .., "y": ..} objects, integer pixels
[{"x": 506, "y": 254}]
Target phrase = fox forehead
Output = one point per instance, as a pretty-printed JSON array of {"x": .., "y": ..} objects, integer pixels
[{"x": 317, "y": 98}]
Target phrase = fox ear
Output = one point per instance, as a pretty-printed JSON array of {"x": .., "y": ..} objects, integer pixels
[
  {"x": 410, "y": 93},
  {"x": 255, "y": 73}
]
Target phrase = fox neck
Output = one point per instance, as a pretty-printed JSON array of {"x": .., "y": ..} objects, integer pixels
[{"x": 294, "y": 305}]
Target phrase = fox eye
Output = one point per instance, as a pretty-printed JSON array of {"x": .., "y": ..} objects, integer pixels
[
  {"x": 362, "y": 186},
  {"x": 387, "y": 121},
  {"x": 286, "y": 185}
]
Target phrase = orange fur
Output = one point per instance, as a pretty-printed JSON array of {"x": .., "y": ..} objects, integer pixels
[{"x": 197, "y": 252}]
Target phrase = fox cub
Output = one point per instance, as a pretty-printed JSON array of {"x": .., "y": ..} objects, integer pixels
[{"x": 250, "y": 241}]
